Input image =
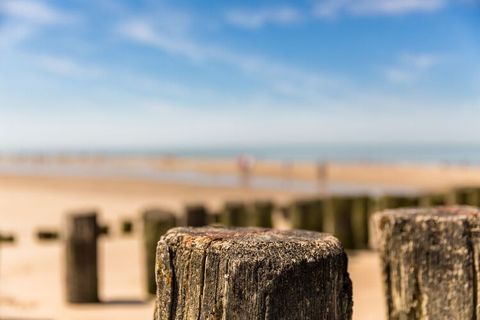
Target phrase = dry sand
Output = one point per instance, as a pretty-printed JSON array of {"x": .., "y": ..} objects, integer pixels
[{"x": 31, "y": 275}]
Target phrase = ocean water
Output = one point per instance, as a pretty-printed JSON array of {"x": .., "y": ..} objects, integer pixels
[
  {"x": 438, "y": 153},
  {"x": 384, "y": 153}
]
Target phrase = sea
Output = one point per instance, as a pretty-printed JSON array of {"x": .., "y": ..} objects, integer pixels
[{"x": 416, "y": 153}]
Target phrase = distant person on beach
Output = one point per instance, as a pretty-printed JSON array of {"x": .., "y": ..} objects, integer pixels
[
  {"x": 288, "y": 171},
  {"x": 322, "y": 176},
  {"x": 245, "y": 165}
]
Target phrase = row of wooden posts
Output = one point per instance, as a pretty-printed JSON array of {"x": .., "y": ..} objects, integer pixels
[{"x": 346, "y": 217}]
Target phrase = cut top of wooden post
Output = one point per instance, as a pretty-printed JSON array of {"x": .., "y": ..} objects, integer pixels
[
  {"x": 251, "y": 273},
  {"x": 384, "y": 221}
]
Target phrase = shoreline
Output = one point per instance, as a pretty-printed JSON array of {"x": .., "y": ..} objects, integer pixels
[{"x": 205, "y": 172}]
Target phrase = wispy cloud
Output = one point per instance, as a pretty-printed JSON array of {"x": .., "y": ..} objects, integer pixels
[
  {"x": 411, "y": 66},
  {"x": 35, "y": 12},
  {"x": 334, "y": 8},
  {"x": 257, "y": 18},
  {"x": 281, "y": 78},
  {"x": 67, "y": 67},
  {"x": 24, "y": 18}
]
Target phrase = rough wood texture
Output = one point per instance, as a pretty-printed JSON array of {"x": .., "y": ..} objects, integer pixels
[
  {"x": 81, "y": 258},
  {"x": 251, "y": 273},
  {"x": 156, "y": 222},
  {"x": 430, "y": 261},
  {"x": 196, "y": 215}
]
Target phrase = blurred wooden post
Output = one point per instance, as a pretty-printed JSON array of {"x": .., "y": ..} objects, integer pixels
[
  {"x": 126, "y": 226},
  {"x": 433, "y": 200},
  {"x": 430, "y": 261},
  {"x": 251, "y": 273},
  {"x": 215, "y": 218},
  {"x": 196, "y": 215},
  {"x": 307, "y": 214},
  {"x": 338, "y": 216},
  {"x": 465, "y": 196},
  {"x": 361, "y": 210},
  {"x": 260, "y": 214},
  {"x": 234, "y": 214},
  {"x": 47, "y": 234},
  {"x": 155, "y": 223},
  {"x": 396, "y": 201},
  {"x": 81, "y": 258}
]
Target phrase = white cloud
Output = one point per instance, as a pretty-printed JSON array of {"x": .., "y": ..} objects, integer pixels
[
  {"x": 281, "y": 78},
  {"x": 11, "y": 34},
  {"x": 22, "y": 19},
  {"x": 35, "y": 12},
  {"x": 66, "y": 67},
  {"x": 333, "y": 8},
  {"x": 254, "y": 19},
  {"x": 411, "y": 67},
  {"x": 421, "y": 61}
]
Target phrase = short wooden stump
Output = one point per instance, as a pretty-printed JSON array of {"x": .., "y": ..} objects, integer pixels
[
  {"x": 251, "y": 273},
  {"x": 430, "y": 261}
]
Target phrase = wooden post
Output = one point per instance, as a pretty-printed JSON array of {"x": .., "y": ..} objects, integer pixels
[
  {"x": 196, "y": 215},
  {"x": 433, "y": 200},
  {"x": 155, "y": 223},
  {"x": 396, "y": 201},
  {"x": 215, "y": 218},
  {"x": 338, "y": 216},
  {"x": 307, "y": 214},
  {"x": 126, "y": 226},
  {"x": 465, "y": 196},
  {"x": 361, "y": 211},
  {"x": 234, "y": 214},
  {"x": 260, "y": 214},
  {"x": 251, "y": 273},
  {"x": 430, "y": 261},
  {"x": 81, "y": 253},
  {"x": 47, "y": 235}
]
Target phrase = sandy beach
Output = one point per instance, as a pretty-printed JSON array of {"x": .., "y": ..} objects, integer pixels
[{"x": 31, "y": 273}]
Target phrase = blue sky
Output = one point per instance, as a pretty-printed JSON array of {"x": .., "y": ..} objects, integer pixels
[{"x": 122, "y": 74}]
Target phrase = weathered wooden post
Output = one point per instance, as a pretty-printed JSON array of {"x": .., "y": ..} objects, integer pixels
[
  {"x": 234, "y": 214},
  {"x": 251, "y": 273},
  {"x": 155, "y": 223},
  {"x": 307, "y": 214},
  {"x": 81, "y": 258},
  {"x": 430, "y": 261},
  {"x": 260, "y": 214},
  {"x": 196, "y": 215}
]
